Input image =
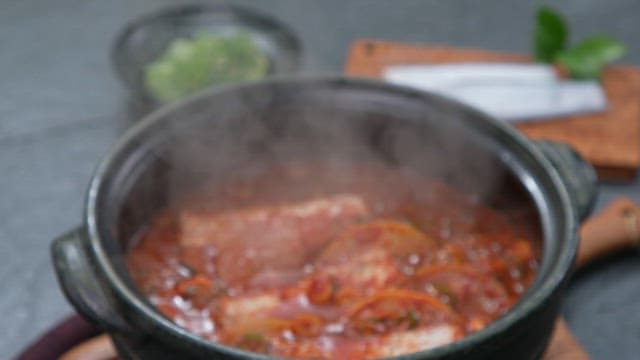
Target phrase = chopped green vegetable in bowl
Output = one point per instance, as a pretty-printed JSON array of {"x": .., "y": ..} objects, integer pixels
[{"x": 206, "y": 59}]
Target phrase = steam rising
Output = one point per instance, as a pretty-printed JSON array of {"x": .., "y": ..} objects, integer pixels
[{"x": 239, "y": 135}]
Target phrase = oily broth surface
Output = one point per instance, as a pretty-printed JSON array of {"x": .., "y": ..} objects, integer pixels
[{"x": 359, "y": 261}]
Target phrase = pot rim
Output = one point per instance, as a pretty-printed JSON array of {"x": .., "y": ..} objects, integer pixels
[{"x": 531, "y": 300}]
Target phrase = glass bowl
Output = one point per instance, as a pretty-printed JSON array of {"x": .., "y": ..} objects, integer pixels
[{"x": 144, "y": 39}]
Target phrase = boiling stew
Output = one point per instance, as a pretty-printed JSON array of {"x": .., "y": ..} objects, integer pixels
[{"x": 332, "y": 261}]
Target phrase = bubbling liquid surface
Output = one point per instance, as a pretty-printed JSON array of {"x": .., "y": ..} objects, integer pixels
[{"x": 318, "y": 261}]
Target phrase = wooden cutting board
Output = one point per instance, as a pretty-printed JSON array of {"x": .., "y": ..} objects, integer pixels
[{"x": 610, "y": 140}]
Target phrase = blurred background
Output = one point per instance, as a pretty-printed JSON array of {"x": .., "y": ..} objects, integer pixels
[{"x": 61, "y": 106}]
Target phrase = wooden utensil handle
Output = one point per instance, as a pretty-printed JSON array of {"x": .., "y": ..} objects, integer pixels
[
  {"x": 97, "y": 348},
  {"x": 615, "y": 228},
  {"x": 564, "y": 346}
]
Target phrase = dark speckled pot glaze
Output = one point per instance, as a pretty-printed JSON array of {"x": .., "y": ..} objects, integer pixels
[{"x": 131, "y": 183}]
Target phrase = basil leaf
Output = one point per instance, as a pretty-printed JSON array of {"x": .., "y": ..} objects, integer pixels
[
  {"x": 550, "y": 34},
  {"x": 586, "y": 59}
]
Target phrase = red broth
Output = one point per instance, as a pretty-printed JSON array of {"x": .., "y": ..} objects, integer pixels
[{"x": 327, "y": 261}]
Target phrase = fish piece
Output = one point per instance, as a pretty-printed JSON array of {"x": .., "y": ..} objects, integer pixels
[
  {"x": 236, "y": 310},
  {"x": 272, "y": 237},
  {"x": 364, "y": 274},
  {"x": 398, "y": 239},
  {"x": 402, "y": 343}
]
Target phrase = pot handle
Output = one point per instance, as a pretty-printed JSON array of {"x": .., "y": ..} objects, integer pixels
[
  {"x": 577, "y": 175},
  {"x": 81, "y": 284}
]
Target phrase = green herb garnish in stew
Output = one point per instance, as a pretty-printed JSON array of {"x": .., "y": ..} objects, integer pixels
[{"x": 206, "y": 59}]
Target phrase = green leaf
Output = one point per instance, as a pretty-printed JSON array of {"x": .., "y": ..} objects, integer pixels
[
  {"x": 586, "y": 59},
  {"x": 550, "y": 34}
]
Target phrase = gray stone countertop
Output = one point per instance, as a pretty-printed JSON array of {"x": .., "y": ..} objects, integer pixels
[{"x": 61, "y": 108}]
